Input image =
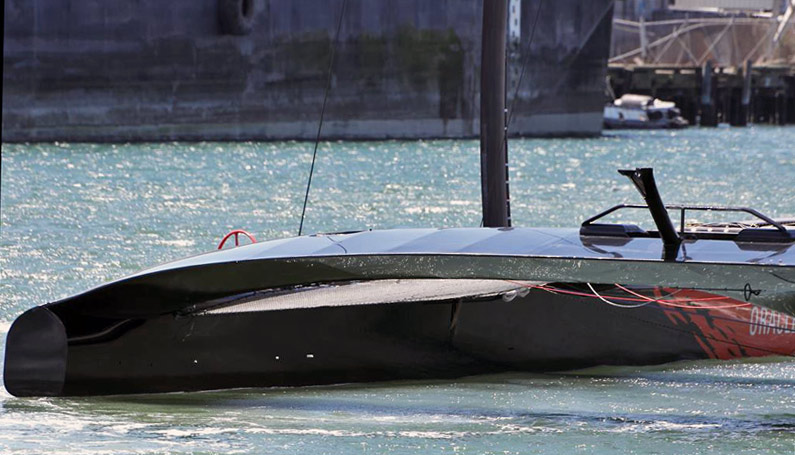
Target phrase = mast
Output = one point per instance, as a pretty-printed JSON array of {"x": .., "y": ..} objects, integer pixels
[{"x": 493, "y": 156}]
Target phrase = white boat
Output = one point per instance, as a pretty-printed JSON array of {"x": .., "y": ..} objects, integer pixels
[{"x": 644, "y": 112}]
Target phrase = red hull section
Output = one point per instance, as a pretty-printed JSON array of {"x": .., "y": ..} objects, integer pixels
[{"x": 732, "y": 329}]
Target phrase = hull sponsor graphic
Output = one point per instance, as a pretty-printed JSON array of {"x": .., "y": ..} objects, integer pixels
[{"x": 731, "y": 328}]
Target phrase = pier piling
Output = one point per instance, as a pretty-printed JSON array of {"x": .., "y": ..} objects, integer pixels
[
  {"x": 708, "y": 111},
  {"x": 710, "y": 95},
  {"x": 745, "y": 100}
]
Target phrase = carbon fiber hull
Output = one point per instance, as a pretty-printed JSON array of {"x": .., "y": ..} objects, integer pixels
[
  {"x": 421, "y": 303},
  {"x": 538, "y": 331}
]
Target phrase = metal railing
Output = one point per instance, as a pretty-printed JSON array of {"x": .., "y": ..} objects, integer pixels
[{"x": 684, "y": 208}]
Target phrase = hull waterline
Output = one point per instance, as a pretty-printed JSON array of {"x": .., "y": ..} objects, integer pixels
[
  {"x": 335, "y": 308},
  {"x": 258, "y": 347}
]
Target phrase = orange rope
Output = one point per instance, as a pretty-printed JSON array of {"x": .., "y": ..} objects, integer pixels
[
  {"x": 642, "y": 298},
  {"x": 672, "y": 304}
]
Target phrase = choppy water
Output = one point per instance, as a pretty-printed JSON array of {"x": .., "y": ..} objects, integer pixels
[{"x": 75, "y": 215}]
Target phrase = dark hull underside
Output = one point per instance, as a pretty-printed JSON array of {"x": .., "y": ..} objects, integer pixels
[{"x": 446, "y": 338}]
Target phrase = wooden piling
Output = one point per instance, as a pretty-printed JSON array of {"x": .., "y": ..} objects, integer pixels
[
  {"x": 708, "y": 112},
  {"x": 708, "y": 95},
  {"x": 781, "y": 108},
  {"x": 745, "y": 101}
]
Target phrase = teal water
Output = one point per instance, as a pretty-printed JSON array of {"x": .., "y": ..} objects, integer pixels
[{"x": 76, "y": 215}]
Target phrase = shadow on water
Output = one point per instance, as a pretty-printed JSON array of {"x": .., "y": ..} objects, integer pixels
[
  {"x": 693, "y": 372},
  {"x": 444, "y": 401},
  {"x": 207, "y": 404}
]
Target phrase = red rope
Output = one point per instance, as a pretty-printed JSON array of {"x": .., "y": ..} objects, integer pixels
[
  {"x": 673, "y": 304},
  {"x": 642, "y": 298}
]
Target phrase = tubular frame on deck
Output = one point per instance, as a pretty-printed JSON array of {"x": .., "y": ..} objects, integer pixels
[{"x": 699, "y": 40}]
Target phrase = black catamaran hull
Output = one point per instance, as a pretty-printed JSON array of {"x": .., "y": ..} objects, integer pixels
[
  {"x": 412, "y": 303},
  {"x": 537, "y": 330}
]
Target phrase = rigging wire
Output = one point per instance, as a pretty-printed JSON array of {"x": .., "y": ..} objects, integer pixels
[
  {"x": 521, "y": 73},
  {"x": 637, "y": 305},
  {"x": 663, "y": 303},
  {"x": 678, "y": 303},
  {"x": 670, "y": 303},
  {"x": 322, "y": 113}
]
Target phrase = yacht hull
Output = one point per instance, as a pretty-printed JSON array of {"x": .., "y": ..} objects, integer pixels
[
  {"x": 421, "y": 303},
  {"x": 539, "y": 331}
]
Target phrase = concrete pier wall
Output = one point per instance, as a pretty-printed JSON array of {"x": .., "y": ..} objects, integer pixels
[{"x": 136, "y": 70}]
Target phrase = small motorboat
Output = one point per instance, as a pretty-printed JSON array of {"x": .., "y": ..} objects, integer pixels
[{"x": 642, "y": 112}]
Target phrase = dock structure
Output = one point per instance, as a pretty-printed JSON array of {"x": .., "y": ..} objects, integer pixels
[
  {"x": 710, "y": 94},
  {"x": 240, "y": 70},
  {"x": 721, "y": 62}
]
